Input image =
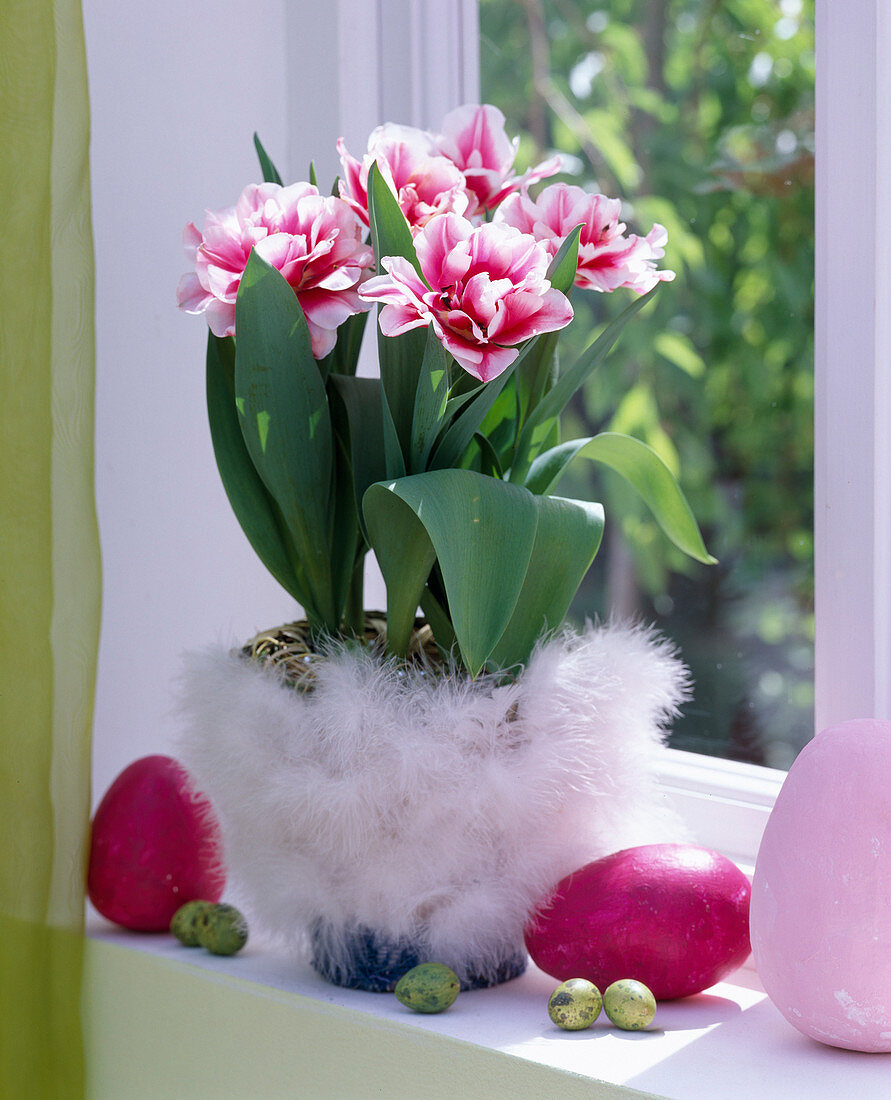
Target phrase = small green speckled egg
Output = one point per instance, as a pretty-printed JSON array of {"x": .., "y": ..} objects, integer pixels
[
  {"x": 430, "y": 987},
  {"x": 184, "y": 924},
  {"x": 222, "y": 929},
  {"x": 575, "y": 1004},
  {"x": 629, "y": 1004}
]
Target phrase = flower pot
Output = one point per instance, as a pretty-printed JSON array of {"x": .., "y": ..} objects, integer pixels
[
  {"x": 399, "y": 812},
  {"x": 360, "y": 958}
]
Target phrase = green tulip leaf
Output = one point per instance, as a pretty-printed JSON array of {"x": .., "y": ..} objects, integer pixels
[
  {"x": 270, "y": 172},
  {"x": 405, "y": 555},
  {"x": 562, "y": 269},
  {"x": 643, "y": 469},
  {"x": 539, "y": 423},
  {"x": 490, "y": 462},
  {"x": 464, "y": 387},
  {"x": 390, "y": 232},
  {"x": 347, "y": 542},
  {"x": 458, "y": 436},
  {"x": 480, "y": 530},
  {"x": 500, "y": 425},
  {"x": 252, "y": 504},
  {"x": 286, "y": 423},
  {"x": 400, "y": 356},
  {"x": 538, "y": 372},
  {"x": 566, "y": 542},
  {"x": 431, "y": 397},
  {"x": 357, "y": 416},
  {"x": 393, "y": 453},
  {"x": 438, "y": 621}
]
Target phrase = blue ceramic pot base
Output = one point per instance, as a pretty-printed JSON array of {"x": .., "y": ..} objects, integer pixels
[{"x": 375, "y": 963}]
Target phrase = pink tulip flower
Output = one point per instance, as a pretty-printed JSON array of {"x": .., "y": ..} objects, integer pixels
[
  {"x": 607, "y": 258},
  {"x": 313, "y": 240},
  {"x": 484, "y": 290},
  {"x": 425, "y": 183},
  {"x": 475, "y": 139}
]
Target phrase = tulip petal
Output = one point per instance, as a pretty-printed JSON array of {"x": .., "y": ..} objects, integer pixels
[
  {"x": 191, "y": 297},
  {"x": 324, "y": 309},
  {"x": 488, "y": 282},
  {"x": 191, "y": 239},
  {"x": 440, "y": 253},
  {"x": 424, "y": 182},
  {"x": 474, "y": 138},
  {"x": 314, "y": 241},
  {"x": 608, "y": 259},
  {"x": 396, "y": 319},
  {"x": 221, "y": 317},
  {"x": 522, "y": 315},
  {"x": 322, "y": 340},
  {"x": 482, "y": 296}
]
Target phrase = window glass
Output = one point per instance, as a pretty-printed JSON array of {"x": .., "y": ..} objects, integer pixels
[{"x": 699, "y": 115}]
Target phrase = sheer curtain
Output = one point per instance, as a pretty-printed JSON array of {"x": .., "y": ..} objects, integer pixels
[{"x": 49, "y": 551}]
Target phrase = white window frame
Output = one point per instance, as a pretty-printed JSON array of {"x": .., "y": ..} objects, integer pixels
[
  {"x": 853, "y": 391},
  {"x": 729, "y": 803}
]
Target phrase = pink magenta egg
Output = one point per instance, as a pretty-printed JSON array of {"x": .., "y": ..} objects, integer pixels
[
  {"x": 673, "y": 916},
  {"x": 821, "y": 894},
  {"x": 155, "y": 845}
]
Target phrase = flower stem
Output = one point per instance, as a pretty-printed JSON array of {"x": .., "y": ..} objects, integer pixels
[{"x": 354, "y": 613}]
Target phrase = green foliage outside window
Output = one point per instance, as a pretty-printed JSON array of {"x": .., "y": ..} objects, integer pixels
[{"x": 699, "y": 115}]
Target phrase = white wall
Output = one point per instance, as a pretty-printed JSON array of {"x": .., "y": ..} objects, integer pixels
[
  {"x": 176, "y": 93},
  {"x": 177, "y": 90}
]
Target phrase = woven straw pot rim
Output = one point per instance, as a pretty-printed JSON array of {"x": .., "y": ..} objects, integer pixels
[{"x": 295, "y": 653}]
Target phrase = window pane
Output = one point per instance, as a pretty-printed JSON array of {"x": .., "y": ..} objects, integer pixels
[{"x": 699, "y": 116}]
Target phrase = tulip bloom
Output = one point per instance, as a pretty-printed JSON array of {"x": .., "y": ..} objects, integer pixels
[
  {"x": 484, "y": 289},
  {"x": 313, "y": 240},
  {"x": 475, "y": 139},
  {"x": 607, "y": 258},
  {"x": 425, "y": 184}
]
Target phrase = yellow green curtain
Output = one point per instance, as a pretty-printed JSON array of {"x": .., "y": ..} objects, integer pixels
[{"x": 49, "y": 555}]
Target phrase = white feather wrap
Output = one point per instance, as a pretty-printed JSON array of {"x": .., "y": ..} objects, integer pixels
[{"x": 411, "y": 804}]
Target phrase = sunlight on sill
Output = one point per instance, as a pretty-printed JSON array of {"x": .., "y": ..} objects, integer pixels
[{"x": 729, "y": 1040}]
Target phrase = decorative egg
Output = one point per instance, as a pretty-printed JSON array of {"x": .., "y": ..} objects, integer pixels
[
  {"x": 429, "y": 987},
  {"x": 222, "y": 929},
  {"x": 575, "y": 1005},
  {"x": 821, "y": 894},
  {"x": 629, "y": 1004},
  {"x": 155, "y": 845},
  {"x": 674, "y": 915},
  {"x": 184, "y": 925}
]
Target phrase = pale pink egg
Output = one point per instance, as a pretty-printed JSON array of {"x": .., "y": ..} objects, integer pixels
[
  {"x": 821, "y": 894},
  {"x": 155, "y": 845}
]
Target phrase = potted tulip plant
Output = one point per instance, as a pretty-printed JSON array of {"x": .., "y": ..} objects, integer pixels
[{"x": 395, "y": 789}]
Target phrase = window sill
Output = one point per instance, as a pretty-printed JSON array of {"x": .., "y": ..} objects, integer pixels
[
  {"x": 725, "y": 804},
  {"x": 163, "y": 1019}
]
